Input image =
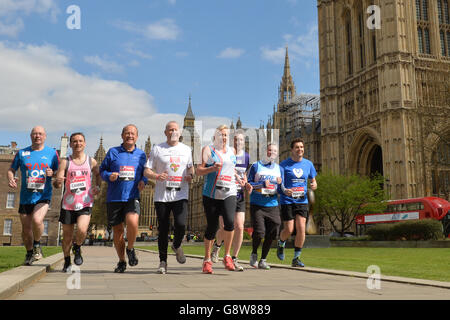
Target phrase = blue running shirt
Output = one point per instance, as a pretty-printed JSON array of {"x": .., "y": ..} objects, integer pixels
[
  {"x": 295, "y": 176},
  {"x": 35, "y": 185},
  {"x": 130, "y": 166},
  {"x": 258, "y": 173}
]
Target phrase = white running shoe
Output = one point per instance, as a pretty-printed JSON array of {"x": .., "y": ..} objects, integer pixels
[
  {"x": 181, "y": 258},
  {"x": 254, "y": 260},
  {"x": 37, "y": 252},
  {"x": 215, "y": 253},
  {"x": 162, "y": 267},
  {"x": 237, "y": 266}
]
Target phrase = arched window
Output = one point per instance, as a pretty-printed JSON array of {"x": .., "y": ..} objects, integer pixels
[
  {"x": 348, "y": 43},
  {"x": 444, "y": 26},
  {"x": 441, "y": 170},
  {"x": 423, "y": 30}
]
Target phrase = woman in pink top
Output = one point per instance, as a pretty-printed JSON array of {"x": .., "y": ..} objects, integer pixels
[{"x": 75, "y": 173}]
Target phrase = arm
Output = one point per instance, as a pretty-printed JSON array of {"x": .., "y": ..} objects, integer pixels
[
  {"x": 202, "y": 169},
  {"x": 12, "y": 183},
  {"x": 313, "y": 183},
  {"x": 251, "y": 178},
  {"x": 60, "y": 174},
  {"x": 105, "y": 174},
  {"x": 96, "y": 174}
]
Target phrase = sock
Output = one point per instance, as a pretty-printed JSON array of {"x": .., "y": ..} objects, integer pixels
[
  {"x": 233, "y": 257},
  {"x": 218, "y": 245},
  {"x": 36, "y": 243},
  {"x": 67, "y": 259},
  {"x": 30, "y": 251},
  {"x": 297, "y": 252},
  {"x": 281, "y": 243}
]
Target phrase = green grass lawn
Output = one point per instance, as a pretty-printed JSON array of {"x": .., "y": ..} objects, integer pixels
[
  {"x": 11, "y": 257},
  {"x": 419, "y": 263}
]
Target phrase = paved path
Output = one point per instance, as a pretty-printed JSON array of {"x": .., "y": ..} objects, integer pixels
[{"x": 186, "y": 282}]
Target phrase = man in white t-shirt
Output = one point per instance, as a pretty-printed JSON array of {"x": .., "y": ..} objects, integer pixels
[{"x": 170, "y": 164}]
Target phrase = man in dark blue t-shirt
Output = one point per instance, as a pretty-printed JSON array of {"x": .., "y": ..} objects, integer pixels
[{"x": 123, "y": 169}]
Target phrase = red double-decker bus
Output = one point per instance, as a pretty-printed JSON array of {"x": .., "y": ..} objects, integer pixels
[{"x": 409, "y": 209}]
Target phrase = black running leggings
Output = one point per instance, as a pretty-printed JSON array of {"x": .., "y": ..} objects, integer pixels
[
  {"x": 215, "y": 208},
  {"x": 265, "y": 222},
  {"x": 180, "y": 211}
]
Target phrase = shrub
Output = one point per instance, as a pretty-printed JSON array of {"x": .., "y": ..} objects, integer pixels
[
  {"x": 247, "y": 236},
  {"x": 426, "y": 229}
]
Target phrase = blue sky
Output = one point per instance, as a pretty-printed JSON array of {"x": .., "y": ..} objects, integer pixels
[{"x": 138, "y": 61}]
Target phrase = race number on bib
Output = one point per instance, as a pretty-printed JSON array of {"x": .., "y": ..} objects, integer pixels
[
  {"x": 36, "y": 184},
  {"x": 126, "y": 173},
  {"x": 224, "y": 181},
  {"x": 174, "y": 181},
  {"x": 78, "y": 184},
  {"x": 298, "y": 192},
  {"x": 269, "y": 190}
]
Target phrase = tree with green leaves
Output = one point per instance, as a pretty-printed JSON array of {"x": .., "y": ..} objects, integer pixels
[{"x": 341, "y": 198}]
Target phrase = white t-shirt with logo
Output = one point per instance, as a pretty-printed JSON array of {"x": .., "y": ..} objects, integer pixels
[{"x": 175, "y": 160}]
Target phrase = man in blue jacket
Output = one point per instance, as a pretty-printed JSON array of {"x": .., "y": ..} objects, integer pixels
[{"x": 123, "y": 169}]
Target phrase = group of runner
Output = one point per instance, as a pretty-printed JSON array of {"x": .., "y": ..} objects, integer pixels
[{"x": 229, "y": 178}]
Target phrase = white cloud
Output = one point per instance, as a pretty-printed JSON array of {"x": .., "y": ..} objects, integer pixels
[
  {"x": 38, "y": 87},
  {"x": 11, "y": 12},
  {"x": 231, "y": 53},
  {"x": 165, "y": 29},
  {"x": 129, "y": 47},
  {"x": 105, "y": 65},
  {"x": 303, "y": 48},
  {"x": 172, "y": 2}
]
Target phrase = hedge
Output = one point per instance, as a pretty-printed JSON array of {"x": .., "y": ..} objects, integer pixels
[{"x": 426, "y": 229}]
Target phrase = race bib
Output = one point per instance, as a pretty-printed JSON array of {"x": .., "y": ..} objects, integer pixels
[
  {"x": 241, "y": 173},
  {"x": 224, "y": 181},
  {"x": 298, "y": 192},
  {"x": 78, "y": 184},
  {"x": 270, "y": 190},
  {"x": 36, "y": 184},
  {"x": 174, "y": 181},
  {"x": 126, "y": 173}
]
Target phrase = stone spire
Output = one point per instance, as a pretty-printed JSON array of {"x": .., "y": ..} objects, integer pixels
[
  {"x": 239, "y": 123},
  {"x": 100, "y": 154},
  {"x": 287, "y": 87},
  {"x": 148, "y": 146}
]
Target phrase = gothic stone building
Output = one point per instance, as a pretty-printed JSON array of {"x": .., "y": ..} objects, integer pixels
[{"x": 385, "y": 101}]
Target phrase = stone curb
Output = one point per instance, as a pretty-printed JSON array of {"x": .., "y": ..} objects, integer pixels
[
  {"x": 421, "y": 282},
  {"x": 15, "y": 280}
]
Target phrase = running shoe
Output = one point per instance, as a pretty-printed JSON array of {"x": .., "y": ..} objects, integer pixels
[
  {"x": 228, "y": 263},
  {"x": 237, "y": 266},
  {"x": 215, "y": 253},
  {"x": 263, "y": 264},
  {"x": 132, "y": 259},
  {"x": 162, "y": 269},
  {"x": 67, "y": 265},
  {"x": 37, "y": 252},
  {"x": 78, "y": 259},
  {"x": 254, "y": 260},
  {"x": 181, "y": 258},
  {"x": 297, "y": 263},
  {"x": 29, "y": 258},
  {"x": 121, "y": 266},
  {"x": 280, "y": 250},
  {"x": 207, "y": 267}
]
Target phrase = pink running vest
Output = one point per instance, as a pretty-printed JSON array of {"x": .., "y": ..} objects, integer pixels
[{"x": 77, "y": 191}]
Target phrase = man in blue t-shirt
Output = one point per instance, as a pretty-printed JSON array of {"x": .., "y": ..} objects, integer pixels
[
  {"x": 123, "y": 170},
  {"x": 37, "y": 164},
  {"x": 295, "y": 172}
]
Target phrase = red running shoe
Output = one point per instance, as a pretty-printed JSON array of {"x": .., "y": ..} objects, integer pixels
[
  {"x": 207, "y": 267},
  {"x": 228, "y": 263}
]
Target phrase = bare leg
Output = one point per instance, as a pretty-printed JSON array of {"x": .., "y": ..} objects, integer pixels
[
  {"x": 300, "y": 225},
  {"x": 119, "y": 241},
  {"x": 132, "y": 219},
  {"x": 288, "y": 228},
  {"x": 239, "y": 219},
  {"x": 82, "y": 227},
  {"x": 67, "y": 238}
]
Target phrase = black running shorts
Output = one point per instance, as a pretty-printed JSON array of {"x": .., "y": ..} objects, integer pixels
[
  {"x": 289, "y": 211},
  {"x": 29, "y": 208},
  {"x": 116, "y": 211},
  {"x": 71, "y": 216}
]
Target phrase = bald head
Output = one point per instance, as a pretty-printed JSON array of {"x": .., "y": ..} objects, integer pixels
[{"x": 38, "y": 136}]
